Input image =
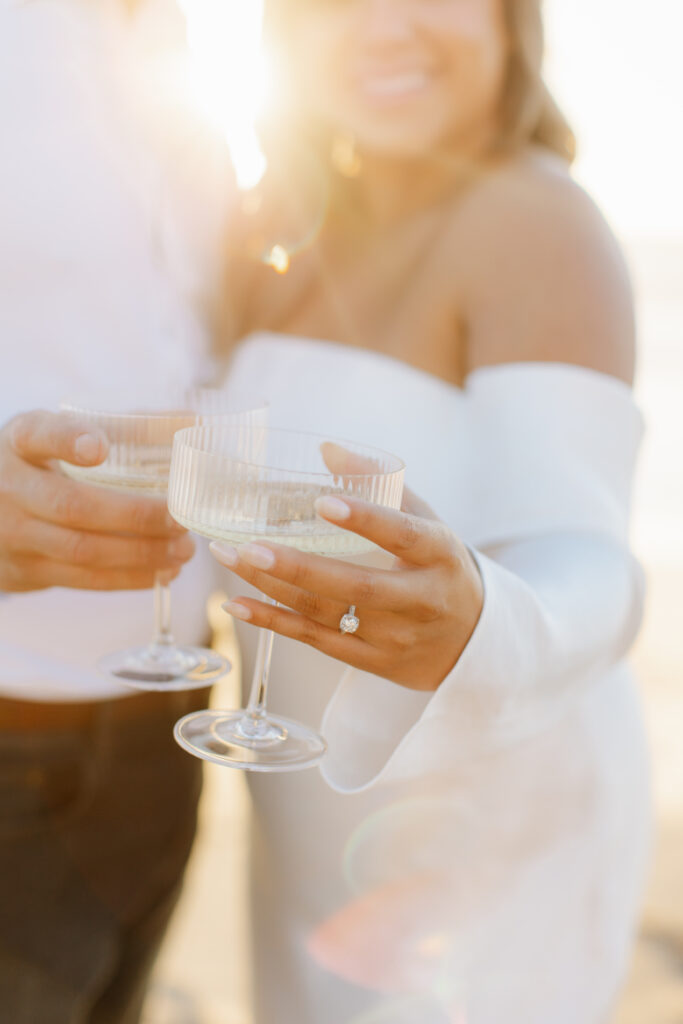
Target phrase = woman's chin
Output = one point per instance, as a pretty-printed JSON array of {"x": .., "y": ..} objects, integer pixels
[{"x": 397, "y": 144}]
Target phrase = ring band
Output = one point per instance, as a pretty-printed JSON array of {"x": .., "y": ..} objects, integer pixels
[{"x": 349, "y": 622}]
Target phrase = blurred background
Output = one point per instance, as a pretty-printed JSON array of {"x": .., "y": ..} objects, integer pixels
[{"x": 615, "y": 67}]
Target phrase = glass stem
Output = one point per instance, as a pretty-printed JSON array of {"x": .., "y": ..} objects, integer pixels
[
  {"x": 259, "y": 686},
  {"x": 163, "y": 638}
]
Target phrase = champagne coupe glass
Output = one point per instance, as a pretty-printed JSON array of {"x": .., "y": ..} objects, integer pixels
[
  {"x": 138, "y": 462},
  {"x": 261, "y": 485}
]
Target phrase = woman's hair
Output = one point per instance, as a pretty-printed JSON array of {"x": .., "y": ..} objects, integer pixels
[{"x": 528, "y": 113}]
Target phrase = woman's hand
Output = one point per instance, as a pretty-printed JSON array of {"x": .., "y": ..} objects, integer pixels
[
  {"x": 415, "y": 618},
  {"x": 55, "y": 532}
]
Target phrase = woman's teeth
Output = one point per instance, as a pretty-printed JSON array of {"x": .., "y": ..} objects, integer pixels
[{"x": 395, "y": 85}]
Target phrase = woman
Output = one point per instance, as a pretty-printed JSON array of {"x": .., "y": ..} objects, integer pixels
[{"x": 475, "y": 844}]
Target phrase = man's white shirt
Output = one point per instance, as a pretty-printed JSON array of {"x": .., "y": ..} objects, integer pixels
[{"x": 106, "y": 191}]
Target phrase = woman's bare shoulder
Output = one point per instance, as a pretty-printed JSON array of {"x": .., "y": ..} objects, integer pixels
[{"x": 542, "y": 276}]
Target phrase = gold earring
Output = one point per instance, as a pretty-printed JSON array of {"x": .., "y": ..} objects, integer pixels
[{"x": 345, "y": 157}]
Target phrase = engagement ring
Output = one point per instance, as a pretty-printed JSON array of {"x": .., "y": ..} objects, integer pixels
[{"x": 349, "y": 622}]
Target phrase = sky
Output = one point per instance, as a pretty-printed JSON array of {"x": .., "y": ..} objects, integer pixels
[{"x": 616, "y": 67}]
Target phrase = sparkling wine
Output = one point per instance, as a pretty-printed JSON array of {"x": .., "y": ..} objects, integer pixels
[
  {"x": 141, "y": 468},
  {"x": 262, "y": 485},
  {"x": 281, "y": 512},
  {"x": 315, "y": 543}
]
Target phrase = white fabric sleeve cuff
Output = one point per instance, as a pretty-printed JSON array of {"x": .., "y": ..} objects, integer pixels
[
  {"x": 545, "y": 502},
  {"x": 552, "y": 624}
]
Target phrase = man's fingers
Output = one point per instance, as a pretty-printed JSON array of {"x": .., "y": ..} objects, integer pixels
[
  {"x": 38, "y": 437},
  {"x": 41, "y": 573},
  {"x": 57, "y": 499},
  {"x": 102, "y": 551}
]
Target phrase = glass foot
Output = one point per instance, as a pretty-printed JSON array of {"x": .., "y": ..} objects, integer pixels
[
  {"x": 165, "y": 669},
  {"x": 238, "y": 740}
]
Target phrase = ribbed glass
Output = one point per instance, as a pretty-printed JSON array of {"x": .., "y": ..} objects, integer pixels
[
  {"x": 138, "y": 461},
  {"x": 140, "y": 441},
  {"x": 245, "y": 483}
]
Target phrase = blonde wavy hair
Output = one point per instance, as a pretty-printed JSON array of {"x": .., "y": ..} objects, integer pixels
[{"x": 528, "y": 113}]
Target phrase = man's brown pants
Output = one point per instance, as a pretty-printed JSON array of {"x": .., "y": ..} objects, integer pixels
[{"x": 97, "y": 817}]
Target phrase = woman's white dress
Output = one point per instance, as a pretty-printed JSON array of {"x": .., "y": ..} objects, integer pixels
[{"x": 477, "y": 854}]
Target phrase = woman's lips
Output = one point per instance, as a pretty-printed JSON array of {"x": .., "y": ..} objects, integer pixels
[{"x": 395, "y": 85}]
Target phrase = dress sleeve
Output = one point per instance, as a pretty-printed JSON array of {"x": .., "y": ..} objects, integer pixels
[{"x": 555, "y": 449}]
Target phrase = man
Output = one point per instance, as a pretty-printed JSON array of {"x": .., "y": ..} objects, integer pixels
[{"x": 98, "y": 294}]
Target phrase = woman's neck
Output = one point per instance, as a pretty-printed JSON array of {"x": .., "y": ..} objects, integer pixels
[{"x": 387, "y": 190}]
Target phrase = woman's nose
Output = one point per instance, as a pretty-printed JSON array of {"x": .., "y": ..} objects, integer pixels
[{"x": 387, "y": 21}]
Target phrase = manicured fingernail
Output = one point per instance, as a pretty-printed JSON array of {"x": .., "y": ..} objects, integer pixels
[
  {"x": 254, "y": 554},
  {"x": 332, "y": 508},
  {"x": 238, "y": 611},
  {"x": 225, "y": 553},
  {"x": 87, "y": 447}
]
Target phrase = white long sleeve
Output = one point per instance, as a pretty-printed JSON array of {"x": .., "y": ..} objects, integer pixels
[{"x": 555, "y": 451}]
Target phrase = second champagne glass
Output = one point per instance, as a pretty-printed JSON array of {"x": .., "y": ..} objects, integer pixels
[
  {"x": 138, "y": 461},
  {"x": 262, "y": 485}
]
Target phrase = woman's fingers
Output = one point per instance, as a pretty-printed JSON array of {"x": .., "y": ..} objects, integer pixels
[
  {"x": 346, "y": 463},
  {"x": 351, "y": 649},
  {"x": 315, "y": 606},
  {"x": 320, "y": 577},
  {"x": 416, "y": 506},
  {"x": 376, "y": 625},
  {"x": 414, "y": 620},
  {"x": 38, "y": 437},
  {"x": 413, "y": 539}
]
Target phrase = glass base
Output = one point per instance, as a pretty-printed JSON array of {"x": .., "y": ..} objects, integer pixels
[
  {"x": 165, "y": 669},
  {"x": 239, "y": 740}
]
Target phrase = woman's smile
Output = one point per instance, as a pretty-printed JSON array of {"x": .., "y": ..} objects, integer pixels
[
  {"x": 392, "y": 84},
  {"x": 403, "y": 79}
]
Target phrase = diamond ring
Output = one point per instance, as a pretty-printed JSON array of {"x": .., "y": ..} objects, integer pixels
[{"x": 349, "y": 622}]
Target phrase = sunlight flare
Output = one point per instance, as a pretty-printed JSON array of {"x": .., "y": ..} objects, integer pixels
[{"x": 228, "y": 76}]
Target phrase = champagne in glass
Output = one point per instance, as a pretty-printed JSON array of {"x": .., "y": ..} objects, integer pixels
[
  {"x": 138, "y": 462},
  {"x": 261, "y": 485}
]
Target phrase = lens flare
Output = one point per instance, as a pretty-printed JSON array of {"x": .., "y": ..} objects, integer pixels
[
  {"x": 228, "y": 76},
  {"x": 278, "y": 259}
]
